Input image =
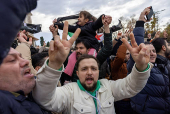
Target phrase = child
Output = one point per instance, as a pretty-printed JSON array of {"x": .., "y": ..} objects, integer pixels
[
  {"x": 88, "y": 27},
  {"x": 88, "y": 32}
]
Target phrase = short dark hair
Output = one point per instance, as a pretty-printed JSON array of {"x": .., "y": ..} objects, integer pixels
[
  {"x": 158, "y": 43},
  {"x": 38, "y": 59},
  {"x": 81, "y": 40},
  {"x": 146, "y": 43},
  {"x": 85, "y": 56},
  {"x": 33, "y": 50}
]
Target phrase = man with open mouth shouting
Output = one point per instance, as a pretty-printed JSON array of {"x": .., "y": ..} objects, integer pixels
[{"x": 88, "y": 95}]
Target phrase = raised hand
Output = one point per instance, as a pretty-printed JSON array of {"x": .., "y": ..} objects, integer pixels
[
  {"x": 165, "y": 34},
  {"x": 53, "y": 30},
  {"x": 106, "y": 19},
  {"x": 119, "y": 35},
  {"x": 23, "y": 38},
  {"x": 54, "y": 21},
  {"x": 126, "y": 34},
  {"x": 157, "y": 35},
  {"x": 144, "y": 13},
  {"x": 140, "y": 54},
  {"x": 59, "y": 49}
]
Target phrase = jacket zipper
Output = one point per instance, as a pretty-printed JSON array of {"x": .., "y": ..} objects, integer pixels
[{"x": 145, "y": 103}]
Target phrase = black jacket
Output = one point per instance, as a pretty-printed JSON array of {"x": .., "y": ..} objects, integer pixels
[
  {"x": 88, "y": 31},
  {"x": 17, "y": 103},
  {"x": 164, "y": 65},
  {"x": 12, "y": 14}
]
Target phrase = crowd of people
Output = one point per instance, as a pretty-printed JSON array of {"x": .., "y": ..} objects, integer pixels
[{"x": 116, "y": 77}]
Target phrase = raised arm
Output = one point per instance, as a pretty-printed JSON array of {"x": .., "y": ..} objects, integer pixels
[
  {"x": 24, "y": 49},
  {"x": 105, "y": 52},
  {"x": 70, "y": 27},
  {"x": 45, "y": 91},
  {"x": 99, "y": 22},
  {"x": 139, "y": 34},
  {"x": 137, "y": 79},
  {"x": 116, "y": 43}
]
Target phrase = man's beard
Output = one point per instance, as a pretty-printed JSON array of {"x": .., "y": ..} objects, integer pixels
[
  {"x": 78, "y": 54},
  {"x": 167, "y": 54},
  {"x": 92, "y": 88}
]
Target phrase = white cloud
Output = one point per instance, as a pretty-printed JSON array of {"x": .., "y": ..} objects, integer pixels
[
  {"x": 48, "y": 10},
  {"x": 44, "y": 19}
]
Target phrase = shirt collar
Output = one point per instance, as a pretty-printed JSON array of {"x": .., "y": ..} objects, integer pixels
[{"x": 92, "y": 93}]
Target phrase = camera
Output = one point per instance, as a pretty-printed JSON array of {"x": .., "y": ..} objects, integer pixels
[
  {"x": 14, "y": 44},
  {"x": 27, "y": 38}
]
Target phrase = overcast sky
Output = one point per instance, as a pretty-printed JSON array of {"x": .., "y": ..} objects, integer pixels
[{"x": 47, "y": 10}]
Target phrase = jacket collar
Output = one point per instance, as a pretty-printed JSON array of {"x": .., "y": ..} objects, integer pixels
[
  {"x": 82, "y": 88},
  {"x": 100, "y": 88},
  {"x": 19, "y": 95},
  {"x": 160, "y": 59}
]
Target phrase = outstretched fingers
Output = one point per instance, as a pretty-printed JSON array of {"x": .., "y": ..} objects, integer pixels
[
  {"x": 128, "y": 46},
  {"x": 59, "y": 46},
  {"x": 133, "y": 41},
  {"x": 75, "y": 35},
  {"x": 65, "y": 31},
  {"x": 51, "y": 45},
  {"x": 30, "y": 41},
  {"x": 144, "y": 53},
  {"x": 57, "y": 38},
  {"x": 56, "y": 45}
]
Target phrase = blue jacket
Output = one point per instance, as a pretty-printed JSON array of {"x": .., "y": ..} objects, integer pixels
[
  {"x": 12, "y": 14},
  {"x": 155, "y": 97},
  {"x": 14, "y": 103}
]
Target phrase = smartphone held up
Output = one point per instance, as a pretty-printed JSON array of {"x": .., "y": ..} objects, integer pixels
[{"x": 150, "y": 14}]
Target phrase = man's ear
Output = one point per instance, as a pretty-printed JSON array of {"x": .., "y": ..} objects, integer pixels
[
  {"x": 37, "y": 68},
  {"x": 88, "y": 50},
  {"x": 163, "y": 48}
]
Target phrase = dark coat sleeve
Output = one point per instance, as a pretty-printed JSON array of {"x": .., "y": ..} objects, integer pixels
[
  {"x": 97, "y": 24},
  {"x": 12, "y": 14},
  {"x": 105, "y": 52},
  {"x": 90, "y": 28},
  {"x": 116, "y": 46},
  {"x": 139, "y": 37},
  {"x": 70, "y": 27}
]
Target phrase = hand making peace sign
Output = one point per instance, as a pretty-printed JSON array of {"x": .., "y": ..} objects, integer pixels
[
  {"x": 140, "y": 54},
  {"x": 59, "y": 49}
]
